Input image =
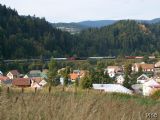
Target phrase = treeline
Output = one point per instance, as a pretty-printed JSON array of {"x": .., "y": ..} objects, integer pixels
[{"x": 32, "y": 37}]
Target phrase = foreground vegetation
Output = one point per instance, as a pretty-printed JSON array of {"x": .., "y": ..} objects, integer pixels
[{"x": 68, "y": 105}]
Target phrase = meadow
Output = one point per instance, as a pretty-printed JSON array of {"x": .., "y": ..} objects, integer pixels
[{"x": 79, "y": 105}]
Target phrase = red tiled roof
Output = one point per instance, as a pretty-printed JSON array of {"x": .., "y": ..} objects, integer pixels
[
  {"x": 145, "y": 66},
  {"x": 3, "y": 78},
  {"x": 74, "y": 76},
  {"x": 21, "y": 82}
]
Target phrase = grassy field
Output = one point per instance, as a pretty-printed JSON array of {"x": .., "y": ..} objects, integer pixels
[{"x": 68, "y": 105}]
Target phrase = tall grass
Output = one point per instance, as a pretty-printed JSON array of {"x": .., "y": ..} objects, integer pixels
[{"x": 83, "y": 105}]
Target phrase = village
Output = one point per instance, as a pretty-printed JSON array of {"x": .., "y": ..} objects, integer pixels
[{"x": 146, "y": 79}]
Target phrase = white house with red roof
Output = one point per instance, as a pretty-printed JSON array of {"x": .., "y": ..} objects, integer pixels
[{"x": 145, "y": 67}]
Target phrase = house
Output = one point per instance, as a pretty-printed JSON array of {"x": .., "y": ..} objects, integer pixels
[
  {"x": 43, "y": 83},
  {"x": 142, "y": 79},
  {"x": 13, "y": 74},
  {"x": 157, "y": 77},
  {"x": 61, "y": 70},
  {"x": 38, "y": 82},
  {"x": 112, "y": 88},
  {"x": 45, "y": 71},
  {"x": 157, "y": 65},
  {"x": 120, "y": 79},
  {"x": 22, "y": 82},
  {"x": 3, "y": 78},
  {"x": 5, "y": 81},
  {"x": 78, "y": 74},
  {"x": 62, "y": 80},
  {"x": 1, "y": 73},
  {"x": 44, "y": 74},
  {"x": 112, "y": 70},
  {"x": 36, "y": 85},
  {"x": 145, "y": 67},
  {"x": 26, "y": 76},
  {"x": 74, "y": 76},
  {"x": 152, "y": 57},
  {"x": 157, "y": 68},
  {"x": 150, "y": 87},
  {"x": 33, "y": 74}
]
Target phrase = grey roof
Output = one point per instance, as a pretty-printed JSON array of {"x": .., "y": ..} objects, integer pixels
[
  {"x": 35, "y": 72},
  {"x": 7, "y": 82}
]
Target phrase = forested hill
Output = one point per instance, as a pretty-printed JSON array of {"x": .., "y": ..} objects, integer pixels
[
  {"x": 124, "y": 37},
  {"x": 30, "y": 37}
]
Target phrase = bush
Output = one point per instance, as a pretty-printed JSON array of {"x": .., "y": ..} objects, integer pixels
[
  {"x": 86, "y": 82},
  {"x": 156, "y": 95}
]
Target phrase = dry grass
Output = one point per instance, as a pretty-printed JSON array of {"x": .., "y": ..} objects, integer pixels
[{"x": 83, "y": 105}]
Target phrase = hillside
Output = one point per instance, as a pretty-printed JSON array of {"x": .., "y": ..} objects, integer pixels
[
  {"x": 76, "y": 27},
  {"x": 122, "y": 38},
  {"x": 98, "y": 23},
  {"x": 33, "y": 37},
  {"x": 28, "y": 37}
]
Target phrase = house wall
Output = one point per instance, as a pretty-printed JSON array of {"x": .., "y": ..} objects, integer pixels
[
  {"x": 141, "y": 81},
  {"x": 10, "y": 76},
  {"x": 120, "y": 79},
  {"x": 148, "y": 70},
  {"x": 147, "y": 90},
  {"x": 111, "y": 72}
]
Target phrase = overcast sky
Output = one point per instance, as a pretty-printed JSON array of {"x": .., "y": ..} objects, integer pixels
[{"x": 80, "y": 10}]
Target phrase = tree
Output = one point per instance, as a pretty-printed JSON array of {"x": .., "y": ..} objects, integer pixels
[
  {"x": 128, "y": 69},
  {"x": 77, "y": 82},
  {"x": 65, "y": 74},
  {"x": 66, "y": 80},
  {"x": 140, "y": 71},
  {"x": 146, "y": 58},
  {"x": 52, "y": 73},
  {"x": 106, "y": 79},
  {"x": 86, "y": 82},
  {"x": 100, "y": 64},
  {"x": 126, "y": 82}
]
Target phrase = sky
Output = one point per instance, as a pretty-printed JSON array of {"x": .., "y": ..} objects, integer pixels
[{"x": 80, "y": 10}]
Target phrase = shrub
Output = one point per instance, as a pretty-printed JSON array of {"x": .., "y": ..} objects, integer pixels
[
  {"x": 156, "y": 95},
  {"x": 86, "y": 82}
]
